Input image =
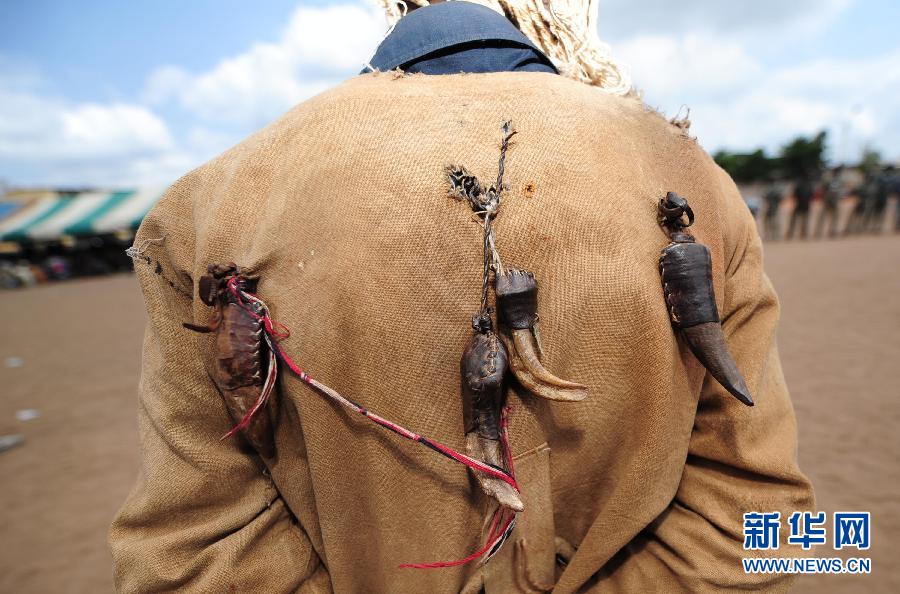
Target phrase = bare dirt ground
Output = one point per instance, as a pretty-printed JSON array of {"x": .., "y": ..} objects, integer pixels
[
  {"x": 79, "y": 344},
  {"x": 840, "y": 345}
]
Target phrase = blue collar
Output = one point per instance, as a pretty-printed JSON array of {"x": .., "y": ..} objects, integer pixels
[{"x": 444, "y": 25}]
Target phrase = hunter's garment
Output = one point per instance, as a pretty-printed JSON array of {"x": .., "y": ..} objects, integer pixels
[{"x": 639, "y": 485}]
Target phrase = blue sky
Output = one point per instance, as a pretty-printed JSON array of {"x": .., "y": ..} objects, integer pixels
[
  {"x": 116, "y": 93},
  {"x": 104, "y": 50}
]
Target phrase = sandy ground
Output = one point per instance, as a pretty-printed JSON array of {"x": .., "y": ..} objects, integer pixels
[{"x": 80, "y": 348}]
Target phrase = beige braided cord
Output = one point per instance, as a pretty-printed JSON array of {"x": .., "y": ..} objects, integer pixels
[{"x": 565, "y": 30}]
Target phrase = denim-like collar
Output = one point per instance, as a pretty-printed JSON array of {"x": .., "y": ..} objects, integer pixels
[{"x": 438, "y": 26}]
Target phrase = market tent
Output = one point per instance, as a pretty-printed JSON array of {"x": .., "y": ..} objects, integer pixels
[
  {"x": 128, "y": 212},
  {"x": 53, "y": 215},
  {"x": 23, "y": 212}
]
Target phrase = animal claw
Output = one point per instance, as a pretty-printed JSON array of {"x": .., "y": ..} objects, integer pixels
[
  {"x": 686, "y": 270},
  {"x": 517, "y": 307},
  {"x": 538, "y": 388},
  {"x": 553, "y": 387}
]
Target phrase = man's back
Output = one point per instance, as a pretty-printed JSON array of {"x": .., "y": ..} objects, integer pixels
[{"x": 342, "y": 208}]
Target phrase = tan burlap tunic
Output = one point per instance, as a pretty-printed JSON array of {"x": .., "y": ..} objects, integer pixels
[{"x": 341, "y": 207}]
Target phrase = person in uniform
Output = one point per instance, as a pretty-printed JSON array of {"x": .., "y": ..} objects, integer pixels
[
  {"x": 342, "y": 259},
  {"x": 831, "y": 201},
  {"x": 803, "y": 194},
  {"x": 772, "y": 200}
]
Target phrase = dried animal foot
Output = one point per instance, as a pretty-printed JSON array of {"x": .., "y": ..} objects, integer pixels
[{"x": 491, "y": 452}]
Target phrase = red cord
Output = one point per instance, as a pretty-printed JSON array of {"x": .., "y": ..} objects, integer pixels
[
  {"x": 277, "y": 332},
  {"x": 493, "y": 535}
]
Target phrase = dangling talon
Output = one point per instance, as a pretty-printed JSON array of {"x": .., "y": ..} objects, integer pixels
[
  {"x": 707, "y": 342},
  {"x": 530, "y": 383},
  {"x": 516, "y": 292},
  {"x": 526, "y": 348}
]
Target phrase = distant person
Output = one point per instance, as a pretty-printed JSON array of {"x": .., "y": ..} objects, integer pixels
[
  {"x": 753, "y": 203},
  {"x": 803, "y": 192},
  {"x": 895, "y": 192},
  {"x": 882, "y": 188},
  {"x": 833, "y": 192},
  {"x": 772, "y": 201},
  {"x": 865, "y": 200}
]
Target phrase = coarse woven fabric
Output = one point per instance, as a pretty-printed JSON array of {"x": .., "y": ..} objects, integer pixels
[{"x": 341, "y": 206}]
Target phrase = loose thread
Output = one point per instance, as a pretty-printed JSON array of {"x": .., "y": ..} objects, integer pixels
[
  {"x": 138, "y": 253},
  {"x": 490, "y": 548},
  {"x": 495, "y": 540},
  {"x": 486, "y": 273},
  {"x": 489, "y": 208}
]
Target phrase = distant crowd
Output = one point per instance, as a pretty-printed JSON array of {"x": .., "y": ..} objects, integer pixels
[
  {"x": 841, "y": 207},
  {"x": 34, "y": 263}
]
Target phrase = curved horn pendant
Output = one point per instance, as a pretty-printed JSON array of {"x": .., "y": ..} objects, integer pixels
[
  {"x": 483, "y": 365},
  {"x": 686, "y": 270},
  {"x": 530, "y": 383},
  {"x": 516, "y": 292}
]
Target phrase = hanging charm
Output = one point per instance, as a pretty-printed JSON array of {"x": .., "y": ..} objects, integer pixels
[
  {"x": 485, "y": 360},
  {"x": 248, "y": 348},
  {"x": 686, "y": 270},
  {"x": 483, "y": 367},
  {"x": 516, "y": 292},
  {"x": 516, "y": 344},
  {"x": 245, "y": 367}
]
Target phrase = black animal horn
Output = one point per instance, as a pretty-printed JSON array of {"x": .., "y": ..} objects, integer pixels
[
  {"x": 707, "y": 342},
  {"x": 686, "y": 270}
]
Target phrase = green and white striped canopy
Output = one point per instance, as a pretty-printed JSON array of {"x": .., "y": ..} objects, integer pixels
[{"x": 51, "y": 215}]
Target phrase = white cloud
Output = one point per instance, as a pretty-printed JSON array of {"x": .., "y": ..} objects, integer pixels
[
  {"x": 319, "y": 48},
  {"x": 310, "y": 36},
  {"x": 98, "y": 130},
  {"x": 33, "y": 127},
  {"x": 163, "y": 84},
  {"x": 248, "y": 89},
  {"x": 667, "y": 65},
  {"x": 624, "y": 18},
  {"x": 855, "y": 100},
  {"x": 731, "y": 63},
  {"x": 47, "y": 140},
  {"x": 130, "y": 143}
]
